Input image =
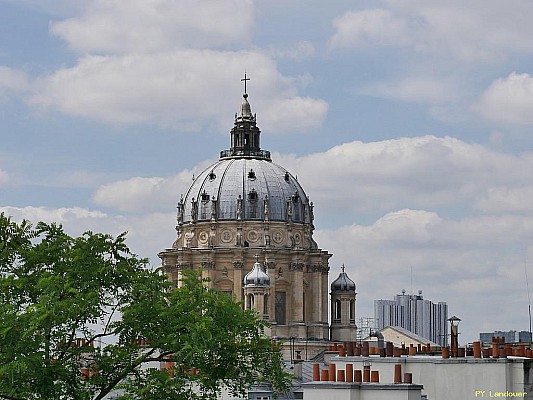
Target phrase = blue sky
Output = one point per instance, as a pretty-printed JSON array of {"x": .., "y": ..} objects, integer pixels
[{"x": 408, "y": 123}]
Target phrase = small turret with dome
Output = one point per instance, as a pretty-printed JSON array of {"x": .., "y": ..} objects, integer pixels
[
  {"x": 257, "y": 276},
  {"x": 343, "y": 283},
  {"x": 343, "y": 295}
]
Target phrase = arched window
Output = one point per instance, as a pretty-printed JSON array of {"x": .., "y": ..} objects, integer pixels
[
  {"x": 352, "y": 311},
  {"x": 250, "y": 301},
  {"x": 304, "y": 305},
  {"x": 265, "y": 306},
  {"x": 338, "y": 310},
  {"x": 279, "y": 307}
]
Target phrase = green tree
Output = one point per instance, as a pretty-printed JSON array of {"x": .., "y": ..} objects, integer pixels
[{"x": 83, "y": 317}]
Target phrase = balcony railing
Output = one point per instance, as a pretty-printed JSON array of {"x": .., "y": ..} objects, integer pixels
[{"x": 261, "y": 154}]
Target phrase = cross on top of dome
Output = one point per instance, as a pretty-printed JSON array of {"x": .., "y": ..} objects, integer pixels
[{"x": 245, "y": 79}]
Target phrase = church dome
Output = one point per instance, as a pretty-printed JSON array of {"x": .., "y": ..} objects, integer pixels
[
  {"x": 245, "y": 189},
  {"x": 245, "y": 184},
  {"x": 343, "y": 283},
  {"x": 257, "y": 277}
]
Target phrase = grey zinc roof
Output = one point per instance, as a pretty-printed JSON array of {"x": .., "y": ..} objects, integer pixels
[
  {"x": 343, "y": 283},
  {"x": 253, "y": 180},
  {"x": 257, "y": 277}
]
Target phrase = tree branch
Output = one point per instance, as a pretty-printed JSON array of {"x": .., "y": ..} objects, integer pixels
[
  {"x": 6, "y": 396},
  {"x": 127, "y": 370}
]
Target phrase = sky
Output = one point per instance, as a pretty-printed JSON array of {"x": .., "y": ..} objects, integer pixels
[{"x": 407, "y": 122}]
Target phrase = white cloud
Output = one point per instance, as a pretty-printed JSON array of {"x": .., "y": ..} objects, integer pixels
[
  {"x": 147, "y": 234},
  {"x": 369, "y": 28},
  {"x": 359, "y": 178},
  {"x": 478, "y": 30},
  {"x": 173, "y": 64},
  {"x": 295, "y": 113},
  {"x": 508, "y": 99},
  {"x": 146, "y": 195},
  {"x": 505, "y": 199},
  {"x": 471, "y": 263},
  {"x": 412, "y": 226},
  {"x": 12, "y": 81},
  {"x": 59, "y": 215},
  {"x": 125, "y": 26},
  {"x": 135, "y": 194},
  {"x": 299, "y": 51},
  {"x": 425, "y": 172},
  {"x": 183, "y": 88}
]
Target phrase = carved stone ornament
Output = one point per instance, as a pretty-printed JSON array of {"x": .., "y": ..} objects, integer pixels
[
  {"x": 188, "y": 237},
  {"x": 253, "y": 236},
  {"x": 296, "y": 266},
  {"x": 208, "y": 264},
  {"x": 183, "y": 265},
  {"x": 226, "y": 236},
  {"x": 203, "y": 237},
  {"x": 278, "y": 237},
  {"x": 270, "y": 264}
]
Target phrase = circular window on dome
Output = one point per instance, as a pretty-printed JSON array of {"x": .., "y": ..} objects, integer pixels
[
  {"x": 251, "y": 175},
  {"x": 212, "y": 176},
  {"x": 295, "y": 197},
  {"x": 252, "y": 196}
]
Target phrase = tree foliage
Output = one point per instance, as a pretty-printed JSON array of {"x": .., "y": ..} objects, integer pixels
[{"x": 83, "y": 317}]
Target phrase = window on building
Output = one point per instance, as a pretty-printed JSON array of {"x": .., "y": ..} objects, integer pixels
[
  {"x": 250, "y": 301},
  {"x": 265, "y": 305},
  {"x": 280, "y": 307},
  {"x": 205, "y": 211},
  {"x": 352, "y": 311},
  {"x": 337, "y": 311},
  {"x": 304, "y": 305}
]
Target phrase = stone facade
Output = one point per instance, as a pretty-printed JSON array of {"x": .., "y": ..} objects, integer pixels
[{"x": 246, "y": 208}]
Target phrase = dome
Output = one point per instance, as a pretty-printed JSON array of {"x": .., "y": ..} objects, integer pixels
[
  {"x": 343, "y": 283},
  {"x": 257, "y": 277},
  {"x": 245, "y": 184},
  {"x": 245, "y": 189}
]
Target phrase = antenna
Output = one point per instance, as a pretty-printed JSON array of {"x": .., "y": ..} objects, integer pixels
[
  {"x": 411, "y": 280},
  {"x": 528, "y": 296}
]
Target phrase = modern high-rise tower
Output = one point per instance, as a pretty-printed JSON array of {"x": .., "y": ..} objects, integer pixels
[{"x": 411, "y": 312}]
